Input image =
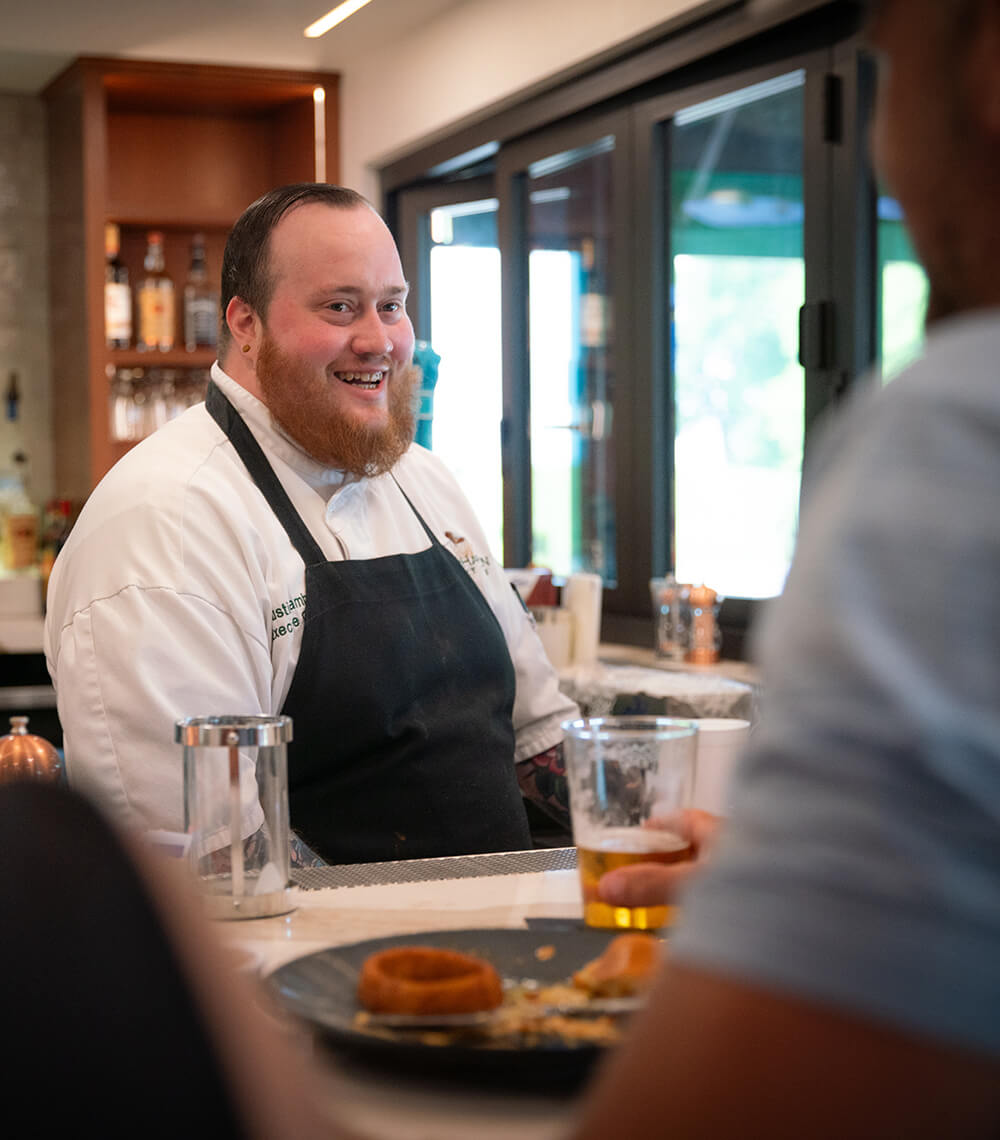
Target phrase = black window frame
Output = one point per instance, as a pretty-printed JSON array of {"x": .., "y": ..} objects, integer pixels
[{"x": 717, "y": 46}]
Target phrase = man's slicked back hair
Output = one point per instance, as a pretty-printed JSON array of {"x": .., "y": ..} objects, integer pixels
[{"x": 246, "y": 261}]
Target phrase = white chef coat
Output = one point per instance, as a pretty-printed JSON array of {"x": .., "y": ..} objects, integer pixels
[{"x": 179, "y": 594}]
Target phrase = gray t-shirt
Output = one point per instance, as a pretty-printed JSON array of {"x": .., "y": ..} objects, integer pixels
[{"x": 861, "y": 866}]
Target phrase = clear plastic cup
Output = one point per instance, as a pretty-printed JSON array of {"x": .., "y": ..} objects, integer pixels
[{"x": 631, "y": 778}]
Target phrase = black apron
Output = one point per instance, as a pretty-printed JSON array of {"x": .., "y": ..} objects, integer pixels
[{"x": 401, "y": 700}]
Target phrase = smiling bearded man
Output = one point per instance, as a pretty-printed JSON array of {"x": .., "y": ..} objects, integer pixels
[
  {"x": 301, "y": 403},
  {"x": 286, "y": 548}
]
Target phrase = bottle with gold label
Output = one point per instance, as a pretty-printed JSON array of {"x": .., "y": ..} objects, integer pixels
[{"x": 155, "y": 300}]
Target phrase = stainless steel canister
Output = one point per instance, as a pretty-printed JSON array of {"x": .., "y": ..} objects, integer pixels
[{"x": 236, "y": 812}]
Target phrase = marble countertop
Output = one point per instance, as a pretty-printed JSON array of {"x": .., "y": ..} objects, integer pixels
[
  {"x": 742, "y": 671},
  {"x": 628, "y": 680}
]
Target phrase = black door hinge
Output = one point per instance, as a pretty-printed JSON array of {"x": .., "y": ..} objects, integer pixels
[{"x": 816, "y": 330}]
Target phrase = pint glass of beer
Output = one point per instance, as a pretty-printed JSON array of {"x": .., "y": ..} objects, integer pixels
[{"x": 630, "y": 780}]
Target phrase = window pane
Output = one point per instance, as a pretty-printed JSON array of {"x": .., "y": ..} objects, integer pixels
[
  {"x": 738, "y": 281},
  {"x": 571, "y": 339},
  {"x": 903, "y": 285},
  {"x": 468, "y": 396}
]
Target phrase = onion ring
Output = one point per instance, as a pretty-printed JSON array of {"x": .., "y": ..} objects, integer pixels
[{"x": 423, "y": 979}]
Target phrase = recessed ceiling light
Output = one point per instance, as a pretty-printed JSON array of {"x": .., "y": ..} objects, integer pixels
[{"x": 334, "y": 17}]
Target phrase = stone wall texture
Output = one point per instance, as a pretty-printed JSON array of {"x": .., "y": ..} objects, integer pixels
[{"x": 24, "y": 294}]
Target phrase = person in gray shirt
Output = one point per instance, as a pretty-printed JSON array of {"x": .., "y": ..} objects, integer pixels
[{"x": 836, "y": 971}]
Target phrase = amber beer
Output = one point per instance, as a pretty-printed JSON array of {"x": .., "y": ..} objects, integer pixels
[{"x": 621, "y": 847}]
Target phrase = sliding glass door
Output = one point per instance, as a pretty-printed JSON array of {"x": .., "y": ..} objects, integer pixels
[
  {"x": 450, "y": 254},
  {"x": 735, "y": 205},
  {"x": 737, "y": 283},
  {"x": 643, "y": 310},
  {"x": 561, "y": 203},
  {"x": 571, "y": 342}
]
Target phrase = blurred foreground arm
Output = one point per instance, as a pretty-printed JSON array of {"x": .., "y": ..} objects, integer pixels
[{"x": 714, "y": 1058}]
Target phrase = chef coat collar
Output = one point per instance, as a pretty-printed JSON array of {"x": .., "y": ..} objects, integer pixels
[{"x": 326, "y": 481}]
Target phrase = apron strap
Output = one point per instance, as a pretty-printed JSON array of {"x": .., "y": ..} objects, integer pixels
[
  {"x": 262, "y": 473},
  {"x": 420, "y": 518}
]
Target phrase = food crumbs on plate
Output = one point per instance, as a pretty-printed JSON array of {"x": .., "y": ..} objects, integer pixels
[
  {"x": 545, "y": 953},
  {"x": 627, "y": 966}
]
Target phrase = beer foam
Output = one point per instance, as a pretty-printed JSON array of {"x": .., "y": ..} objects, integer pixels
[{"x": 636, "y": 840}]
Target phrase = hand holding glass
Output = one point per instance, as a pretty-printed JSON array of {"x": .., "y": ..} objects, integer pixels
[{"x": 630, "y": 780}]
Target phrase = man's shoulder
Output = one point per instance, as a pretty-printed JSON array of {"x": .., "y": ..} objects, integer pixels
[
  {"x": 957, "y": 368},
  {"x": 170, "y": 510},
  {"x": 940, "y": 418},
  {"x": 943, "y": 410},
  {"x": 188, "y": 456},
  {"x": 170, "y": 451}
]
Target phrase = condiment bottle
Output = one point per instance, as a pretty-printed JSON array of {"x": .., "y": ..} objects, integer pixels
[
  {"x": 703, "y": 631},
  {"x": 27, "y": 757},
  {"x": 668, "y": 624}
]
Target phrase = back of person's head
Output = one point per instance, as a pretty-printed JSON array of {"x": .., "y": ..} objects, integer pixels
[{"x": 245, "y": 262}]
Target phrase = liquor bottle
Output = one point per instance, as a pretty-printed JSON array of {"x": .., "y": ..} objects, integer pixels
[
  {"x": 18, "y": 517},
  {"x": 200, "y": 301},
  {"x": 155, "y": 296},
  {"x": 117, "y": 296}
]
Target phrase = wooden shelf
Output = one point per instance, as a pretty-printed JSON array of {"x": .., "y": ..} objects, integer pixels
[
  {"x": 176, "y": 358},
  {"x": 181, "y": 148}
]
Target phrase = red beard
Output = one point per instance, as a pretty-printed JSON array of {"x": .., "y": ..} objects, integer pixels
[{"x": 300, "y": 402}]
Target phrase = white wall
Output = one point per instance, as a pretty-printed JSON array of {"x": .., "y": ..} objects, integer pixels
[{"x": 472, "y": 55}]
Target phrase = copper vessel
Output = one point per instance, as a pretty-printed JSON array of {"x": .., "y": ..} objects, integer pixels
[{"x": 24, "y": 756}]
